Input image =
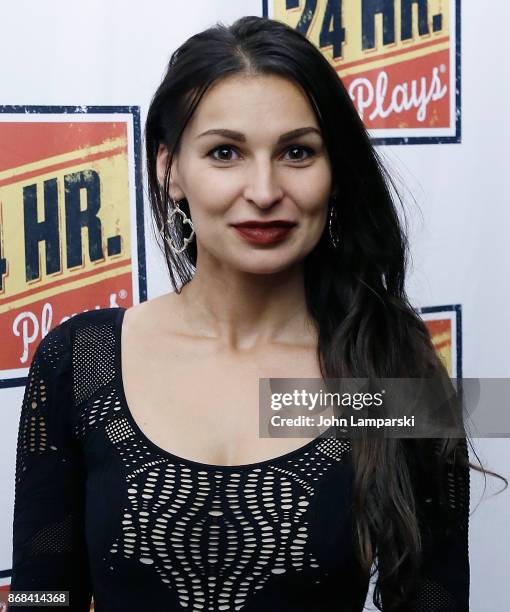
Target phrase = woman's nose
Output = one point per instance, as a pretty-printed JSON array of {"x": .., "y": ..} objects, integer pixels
[{"x": 263, "y": 188}]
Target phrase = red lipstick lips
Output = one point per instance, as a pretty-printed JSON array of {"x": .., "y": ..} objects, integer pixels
[{"x": 264, "y": 232}]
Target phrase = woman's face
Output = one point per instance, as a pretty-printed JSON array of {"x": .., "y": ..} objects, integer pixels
[{"x": 250, "y": 175}]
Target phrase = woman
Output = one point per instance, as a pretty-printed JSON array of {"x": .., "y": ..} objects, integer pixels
[{"x": 150, "y": 485}]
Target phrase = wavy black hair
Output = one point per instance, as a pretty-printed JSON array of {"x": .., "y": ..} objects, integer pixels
[{"x": 367, "y": 326}]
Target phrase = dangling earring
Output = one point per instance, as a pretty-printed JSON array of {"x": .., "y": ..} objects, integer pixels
[
  {"x": 170, "y": 221},
  {"x": 333, "y": 224}
]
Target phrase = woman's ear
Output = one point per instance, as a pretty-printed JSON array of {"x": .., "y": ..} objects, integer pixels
[{"x": 161, "y": 163}]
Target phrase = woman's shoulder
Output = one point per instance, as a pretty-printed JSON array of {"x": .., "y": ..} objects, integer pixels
[
  {"x": 153, "y": 318},
  {"x": 59, "y": 340},
  {"x": 82, "y": 350},
  {"x": 102, "y": 325},
  {"x": 92, "y": 317}
]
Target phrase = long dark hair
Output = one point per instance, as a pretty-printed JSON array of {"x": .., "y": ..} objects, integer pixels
[{"x": 367, "y": 327}]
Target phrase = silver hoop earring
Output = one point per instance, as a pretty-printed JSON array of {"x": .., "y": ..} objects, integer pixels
[
  {"x": 170, "y": 221},
  {"x": 333, "y": 224}
]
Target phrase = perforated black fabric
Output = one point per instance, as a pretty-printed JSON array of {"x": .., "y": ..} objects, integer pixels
[{"x": 101, "y": 509}]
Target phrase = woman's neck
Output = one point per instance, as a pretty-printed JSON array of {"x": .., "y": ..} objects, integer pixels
[{"x": 245, "y": 311}]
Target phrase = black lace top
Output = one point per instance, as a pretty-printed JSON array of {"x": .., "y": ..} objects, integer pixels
[{"x": 102, "y": 511}]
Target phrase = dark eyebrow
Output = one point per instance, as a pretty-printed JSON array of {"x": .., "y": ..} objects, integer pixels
[{"x": 233, "y": 135}]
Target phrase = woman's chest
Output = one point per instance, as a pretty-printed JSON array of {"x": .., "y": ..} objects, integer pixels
[
  {"x": 270, "y": 525},
  {"x": 206, "y": 406}
]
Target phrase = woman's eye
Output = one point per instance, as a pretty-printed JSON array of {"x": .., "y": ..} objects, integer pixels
[
  {"x": 306, "y": 149},
  {"x": 221, "y": 148},
  {"x": 226, "y": 149}
]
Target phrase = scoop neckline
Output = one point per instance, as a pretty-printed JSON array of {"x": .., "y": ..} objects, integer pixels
[{"x": 177, "y": 458}]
